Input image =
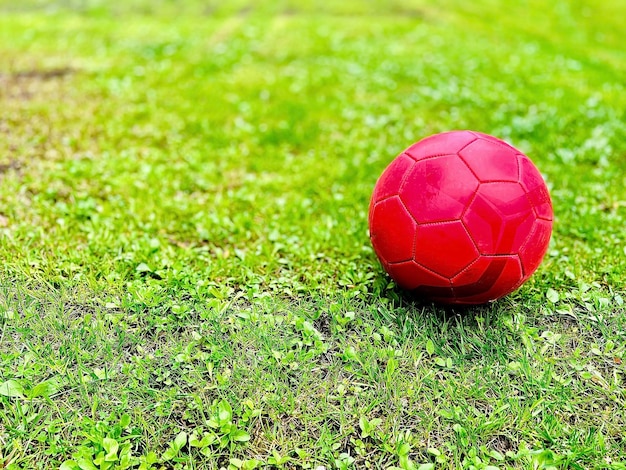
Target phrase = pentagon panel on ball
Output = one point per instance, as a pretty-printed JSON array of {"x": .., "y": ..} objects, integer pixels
[{"x": 460, "y": 217}]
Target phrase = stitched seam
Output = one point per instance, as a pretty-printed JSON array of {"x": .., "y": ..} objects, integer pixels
[
  {"x": 394, "y": 263},
  {"x": 432, "y": 271}
]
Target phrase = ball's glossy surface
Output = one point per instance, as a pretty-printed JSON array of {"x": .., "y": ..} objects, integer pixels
[{"x": 461, "y": 218}]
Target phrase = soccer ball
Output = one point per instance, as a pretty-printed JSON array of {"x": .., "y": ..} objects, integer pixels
[{"x": 460, "y": 218}]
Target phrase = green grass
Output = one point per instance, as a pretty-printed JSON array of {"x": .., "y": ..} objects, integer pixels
[{"x": 187, "y": 280}]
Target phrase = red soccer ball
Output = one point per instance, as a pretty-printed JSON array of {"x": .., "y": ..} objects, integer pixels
[{"x": 460, "y": 218}]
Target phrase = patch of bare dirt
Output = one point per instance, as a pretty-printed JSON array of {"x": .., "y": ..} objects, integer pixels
[{"x": 25, "y": 84}]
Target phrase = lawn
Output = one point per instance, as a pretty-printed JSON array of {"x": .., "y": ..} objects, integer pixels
[{"x": 187, "y": 280}]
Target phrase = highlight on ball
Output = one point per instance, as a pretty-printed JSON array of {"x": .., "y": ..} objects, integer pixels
[{"x": 460, "y": 217}]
